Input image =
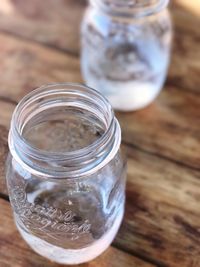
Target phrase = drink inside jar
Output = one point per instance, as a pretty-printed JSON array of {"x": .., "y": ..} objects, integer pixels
[
  {"x": 73, "y": 210},
  {"x": 72, "y": 256},
  {"x": 67, "y": 133},
  {"x": 132, "y": 60},
  {"x": 70, "y": 224}
]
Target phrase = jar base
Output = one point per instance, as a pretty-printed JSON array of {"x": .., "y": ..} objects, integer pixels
[
  {"x": 127, "y": 96},
  {"x": 72, "y": 256}
]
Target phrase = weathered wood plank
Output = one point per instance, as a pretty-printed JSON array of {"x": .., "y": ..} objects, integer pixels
[
  {"x": 162, "y": 218},
  {"x": 54, "y": 23},
  {"x": 162, "y": 207},
  {"x": 162, "y": 211},
  {"x": 26, "y": 65},
  {"x": 14, "y": 252},
  {"x": 191, "y": 6},
  {"x": 184, "y": 72},
  {"x": 169, "y": 127},
  {"x": 6, "y": 110},
  {"x": 161, "y": 128},
  {"x": 58, "y": 26}
]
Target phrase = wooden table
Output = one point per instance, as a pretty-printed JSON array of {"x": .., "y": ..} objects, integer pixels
[{"x": 39, "y": 43}]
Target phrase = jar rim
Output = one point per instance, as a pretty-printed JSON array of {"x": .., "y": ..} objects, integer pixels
[
  {"x": 130, "y": 8},
  {"x": 21, "y": 149},
  {"x": 43, "y": 89}
]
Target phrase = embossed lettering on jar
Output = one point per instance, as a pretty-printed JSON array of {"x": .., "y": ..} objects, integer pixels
[
  {"x": 126, "y": 50},
  {"x": 65, "y": 172}
]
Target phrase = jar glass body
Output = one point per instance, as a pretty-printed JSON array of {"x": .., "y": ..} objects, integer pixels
[
  {"x": 126, "y": 56},
  {"x": 68, "y": 219}
]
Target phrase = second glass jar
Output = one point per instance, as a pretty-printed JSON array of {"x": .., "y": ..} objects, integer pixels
[{"x": 126, "y": 50}]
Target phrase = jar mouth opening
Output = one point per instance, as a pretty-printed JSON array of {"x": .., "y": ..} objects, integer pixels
[
  {"x": 58, "y": 90},
  {"x": 63, "y": 97}
]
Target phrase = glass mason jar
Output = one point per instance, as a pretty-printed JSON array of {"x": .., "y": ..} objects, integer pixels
[
  {"x": 66, "y": 173},
  {"x": 126, "y": 50}
]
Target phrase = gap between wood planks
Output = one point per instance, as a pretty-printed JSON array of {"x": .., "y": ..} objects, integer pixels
[
  {"x": 51, "y": 46},
  {"x": 170, "y": 81},
  {"x": 141, "y": 256},
  {"x": 134, "y": 146},
  {"x": 4, "y": 196},
  {"x": 138, "y": 255},
  {"x": 127, "y": 144},
  {"x": 8, "y": 100}
]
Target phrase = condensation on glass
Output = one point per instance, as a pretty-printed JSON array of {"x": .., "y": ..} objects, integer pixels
[
  {"x": 66, "y": 173},
  {"x": 126, "y": 50}
]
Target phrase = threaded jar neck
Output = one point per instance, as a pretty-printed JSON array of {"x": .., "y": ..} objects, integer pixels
[
  {"x": 130, "y": 8},
  {"x": 54, "y": 103}
]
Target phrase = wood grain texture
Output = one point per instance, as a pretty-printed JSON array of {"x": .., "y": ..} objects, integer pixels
[
  {"x": 6, "y": 110},
  {"x": 162, "y": 216},
  {"x": 162, "y": 128},
  {"x": 16, "y": 253},
  {"x": 184, "y": 72},
  {"x": 162, "y": 208},
  {"x": 25, "y": 66},
  {"x": 59, "y": 26},
  {"x": 162, "y": 219},
  {"x": 55, "y": 23},
  {"x": 169, "y": 127}
]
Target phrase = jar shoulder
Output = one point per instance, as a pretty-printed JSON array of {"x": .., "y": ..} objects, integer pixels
[
  {"x": 17, "y": 175},
  {"x": 96, "y": 22}
]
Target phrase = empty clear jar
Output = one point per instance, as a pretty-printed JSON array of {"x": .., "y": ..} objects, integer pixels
[
  {"x": 126, "y": 50},
  {"x": 65, "y": 172}
]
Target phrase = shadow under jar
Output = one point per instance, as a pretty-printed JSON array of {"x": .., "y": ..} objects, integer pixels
[
  {"x": 126, "y": 50},
  {"x": 65, "y": 172}
]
